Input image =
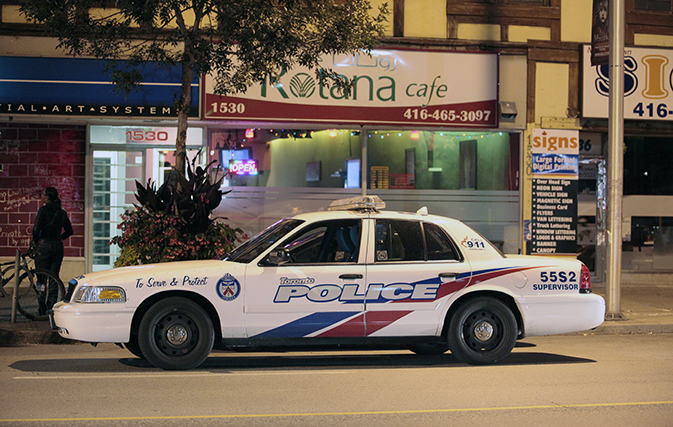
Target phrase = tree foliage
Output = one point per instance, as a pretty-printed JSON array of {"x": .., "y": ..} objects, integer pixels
[{"x": 239, "y": 42}]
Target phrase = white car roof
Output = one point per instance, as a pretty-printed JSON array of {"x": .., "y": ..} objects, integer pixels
[{"x": 385, "y": 214}]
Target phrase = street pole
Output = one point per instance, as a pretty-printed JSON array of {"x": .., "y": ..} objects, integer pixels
[
  {"x": 615, "y": 160},
  {"x": 363, "y": 162}
]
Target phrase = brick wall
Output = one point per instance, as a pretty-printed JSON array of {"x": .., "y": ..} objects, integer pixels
[{"x": 33, "y": 157}]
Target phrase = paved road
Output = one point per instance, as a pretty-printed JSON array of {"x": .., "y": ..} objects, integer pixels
[{"x": 593, "y": 380}]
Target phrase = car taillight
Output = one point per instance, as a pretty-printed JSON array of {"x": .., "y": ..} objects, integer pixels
[{"x": 585, "y": 280}]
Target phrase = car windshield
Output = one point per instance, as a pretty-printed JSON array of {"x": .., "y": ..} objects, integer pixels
[{"x": 251, "y": 249}]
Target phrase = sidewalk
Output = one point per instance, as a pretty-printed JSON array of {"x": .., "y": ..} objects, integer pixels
[{"x": 647, "y": 309}]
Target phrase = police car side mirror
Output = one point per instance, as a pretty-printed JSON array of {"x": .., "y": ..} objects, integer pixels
[{"x": 279, "y": 256}]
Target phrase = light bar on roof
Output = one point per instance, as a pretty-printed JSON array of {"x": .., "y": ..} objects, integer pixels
[{"x": 357, "y": 203}]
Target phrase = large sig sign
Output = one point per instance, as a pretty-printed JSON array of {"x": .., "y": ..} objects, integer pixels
[
  {"x": 554, "y": 192},
  {"x": 648, "y": 85}
]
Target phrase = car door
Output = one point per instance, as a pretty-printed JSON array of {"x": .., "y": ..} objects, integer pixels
[
  {"x": 413, "y": 269},
  {"x": 318, "y": 291}
]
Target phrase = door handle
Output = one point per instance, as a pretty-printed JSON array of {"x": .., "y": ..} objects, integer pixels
[
  {"x": 350, "y": 276},
  {"x": 449, "y": 275}
]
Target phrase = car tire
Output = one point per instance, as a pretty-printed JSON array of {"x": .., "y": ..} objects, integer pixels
[
  {"x": 176, "y": 333},
  {"x": 133, "y": 346},
  {"x": 429, "y": 349},
  {"x": 482, "y": 331}
]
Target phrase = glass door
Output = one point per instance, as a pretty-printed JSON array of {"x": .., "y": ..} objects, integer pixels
[
  {"x": 120, "y": 156},
  {"x": 114, "y": 176},
  {"x": 114, "y": 188}
]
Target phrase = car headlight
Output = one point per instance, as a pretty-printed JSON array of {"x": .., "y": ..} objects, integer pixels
[{"x": 100, "y": 294}]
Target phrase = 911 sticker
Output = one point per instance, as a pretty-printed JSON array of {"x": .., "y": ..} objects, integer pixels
[
  {"x": 557, "y": 281},
  {"x": 473, "y": 243}
]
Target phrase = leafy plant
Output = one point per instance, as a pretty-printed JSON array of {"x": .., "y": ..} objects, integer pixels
[{"x": 173, "y": 223}]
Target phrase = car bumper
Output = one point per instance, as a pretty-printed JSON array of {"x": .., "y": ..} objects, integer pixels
[
  {"x": 92, "y": 322},
  {"x": 560, "y": 314}
]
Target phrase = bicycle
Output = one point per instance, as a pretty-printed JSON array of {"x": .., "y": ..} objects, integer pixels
[{"x": 38, "y": 290}]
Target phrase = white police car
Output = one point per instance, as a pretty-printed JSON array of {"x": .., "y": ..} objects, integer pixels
[{"x": 351, "y": 276}]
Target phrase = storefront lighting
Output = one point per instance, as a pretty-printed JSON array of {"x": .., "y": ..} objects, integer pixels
[
  {"x": 332, "y": 133},
  {"x": 250, "y": 133},
  {"x": 415, "y": 135},
  {"x": 243, "y": 167}
]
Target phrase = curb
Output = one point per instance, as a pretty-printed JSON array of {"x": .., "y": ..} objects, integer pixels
[
  {"x": 18, "y": 334},
  {"x": 623, "y": 328}
]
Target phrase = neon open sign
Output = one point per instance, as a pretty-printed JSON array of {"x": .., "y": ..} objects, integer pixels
[{"x": 243, "y": 167}]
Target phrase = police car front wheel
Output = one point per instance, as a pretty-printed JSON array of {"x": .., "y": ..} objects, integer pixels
[
  {"x": 176, "y": 333},
  {"x": 483, "y": 331},
  {"x": 133, "y": 346}
]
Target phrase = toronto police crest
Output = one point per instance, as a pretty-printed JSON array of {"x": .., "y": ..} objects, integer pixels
[{"x": 228, "y": 288}]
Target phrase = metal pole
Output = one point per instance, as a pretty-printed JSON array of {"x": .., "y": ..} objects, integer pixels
[
  {"x": 363, "y": 162},
  {"x": 615, "y": 160},
  {"x": 17, "y": 280}
]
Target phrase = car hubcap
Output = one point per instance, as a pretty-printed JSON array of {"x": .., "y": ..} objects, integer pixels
[
  {"x": 176, "y": 334},
  {"x": 483, "y": 331}
]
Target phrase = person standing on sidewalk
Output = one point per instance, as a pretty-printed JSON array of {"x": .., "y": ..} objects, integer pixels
[{"x": 52, "y": 227}]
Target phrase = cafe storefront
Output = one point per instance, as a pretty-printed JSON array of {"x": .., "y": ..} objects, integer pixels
[{"x": 420, "y": 128}]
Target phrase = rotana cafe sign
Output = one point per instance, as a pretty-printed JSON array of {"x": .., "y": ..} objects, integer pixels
[{"x": 390, "y": 87}]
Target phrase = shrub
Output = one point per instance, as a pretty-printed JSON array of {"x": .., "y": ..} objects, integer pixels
[{"x": 173, "y": 223}]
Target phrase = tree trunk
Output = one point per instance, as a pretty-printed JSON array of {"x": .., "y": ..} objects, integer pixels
[{"x": 183, "y": 116}]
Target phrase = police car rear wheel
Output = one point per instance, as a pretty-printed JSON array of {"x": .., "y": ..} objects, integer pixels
[
  {"x": 176, "y": 333},
  {"x": 483, "y": 331}
]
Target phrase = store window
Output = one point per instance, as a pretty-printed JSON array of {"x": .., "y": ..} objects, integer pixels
[
  {"x": 396, "y": 159},
  {"x": 647, "y": 168},
  {"x": 427, "y": 160},
  {"x": 272, "y": 173},
  {"x": 649, "y": 245},
  {"x": 648, "y": 237},
  {"x": 288, "y": 157}
]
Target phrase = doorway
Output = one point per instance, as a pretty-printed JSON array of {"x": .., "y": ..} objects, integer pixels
[{"x": 114, "y": 167}]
